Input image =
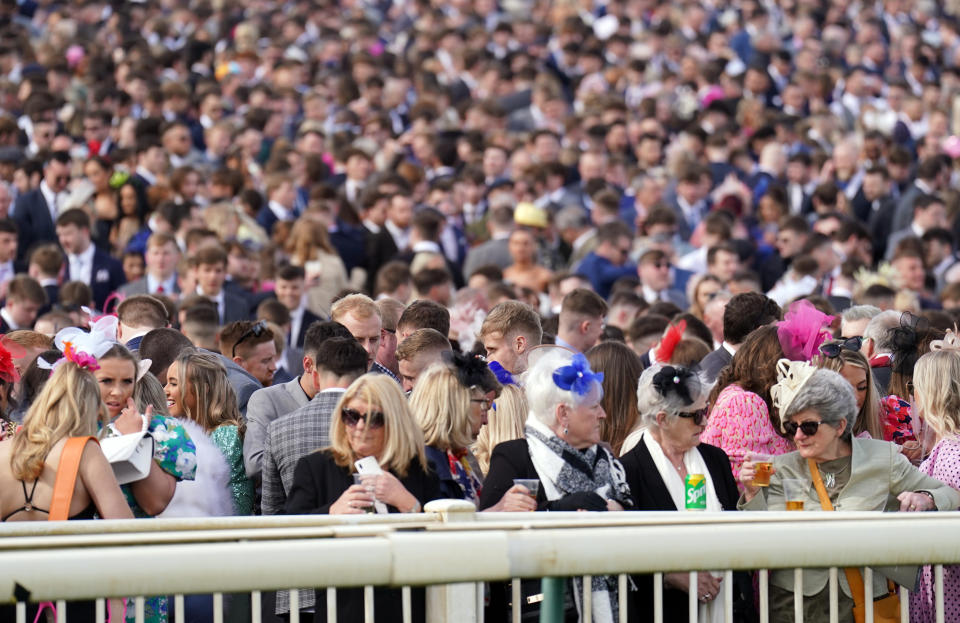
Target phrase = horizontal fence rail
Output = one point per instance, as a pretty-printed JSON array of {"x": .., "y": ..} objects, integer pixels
[{"x": 107, "y": 559}]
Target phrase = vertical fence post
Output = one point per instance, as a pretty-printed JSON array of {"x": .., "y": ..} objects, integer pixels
[
  {"x": 551, "y": 608},
  {"x": 453, "y": 603}
]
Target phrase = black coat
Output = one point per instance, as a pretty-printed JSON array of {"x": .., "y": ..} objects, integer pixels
[
  {"x": 317, "y": 483},
  {"x": 34, "y": 222},
  {"x": 650, "y": 494}
]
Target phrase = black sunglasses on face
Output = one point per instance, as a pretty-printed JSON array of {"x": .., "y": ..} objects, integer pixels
[
  {"x": 254, "y": 331},
  {"x": 698, "y": 417},
  {"x": 833, "y": 349},
  {"x": 809, "y": 428},
  {"x": 351, "y": 417}
]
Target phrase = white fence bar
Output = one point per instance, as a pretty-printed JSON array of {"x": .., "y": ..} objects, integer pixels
[
  {"x": 868, "y": 594},
  {"x": 764, "y": 587},
  {"x": 904, "y": 606},
  {"x": 834, "y": 596},
  {"x": 693, "y": 594},
  {"x": 938, "y": 592},
  {"x": 657, "y": 598},
  {"x": 798, "y": 595}
]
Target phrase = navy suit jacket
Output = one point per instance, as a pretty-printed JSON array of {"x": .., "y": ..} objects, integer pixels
[
  {"x": 602, "y": 272},
  {"x": 308, "y": 319},
  {"x": 34, "y": 223},
  {"x": 105, "y": 277},
  {"x": 267, "y": 219}
]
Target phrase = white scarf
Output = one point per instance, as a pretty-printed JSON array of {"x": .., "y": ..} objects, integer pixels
[{"x": 712, "y": 611}]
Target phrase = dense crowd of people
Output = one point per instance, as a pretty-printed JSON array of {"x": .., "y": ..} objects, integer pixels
[{"x": 541, "y": 256}]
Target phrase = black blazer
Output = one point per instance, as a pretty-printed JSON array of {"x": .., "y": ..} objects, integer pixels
[
  {"x": 308, "y": 319},
  {"x": 380, "y": 249},
  {"x": 34, "y": 223},
  {"x": 650, "y": 494},
  {"x": 715, "y": 362},
  {"x": 509, "y": 460},
  {"x": 317, "y": 483}
]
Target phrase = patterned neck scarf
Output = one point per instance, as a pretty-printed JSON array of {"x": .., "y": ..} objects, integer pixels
[{"x": 463, "y": 475}]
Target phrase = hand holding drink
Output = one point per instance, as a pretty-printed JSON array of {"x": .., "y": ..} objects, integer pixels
[{"x": 762, "y": 469}]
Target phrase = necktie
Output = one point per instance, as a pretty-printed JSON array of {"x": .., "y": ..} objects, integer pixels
[{"x": 160, "y": 289}]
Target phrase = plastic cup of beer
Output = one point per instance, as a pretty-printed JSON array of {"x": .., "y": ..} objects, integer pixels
[
  {"x": 795, "y": 492},
  {"x": 532, "y": 485},
  {"x": 367, "y": 482},
  {"x": 762, "y": 468}
]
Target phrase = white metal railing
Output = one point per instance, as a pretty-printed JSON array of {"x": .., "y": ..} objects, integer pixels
[{"x": 60, "y": 561}]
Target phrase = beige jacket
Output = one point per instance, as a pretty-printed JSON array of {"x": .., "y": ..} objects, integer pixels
[{"x": 879, "y": 473}]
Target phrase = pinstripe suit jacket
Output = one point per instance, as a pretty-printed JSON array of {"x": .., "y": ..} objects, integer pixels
[{"x": 288, "y": 439}]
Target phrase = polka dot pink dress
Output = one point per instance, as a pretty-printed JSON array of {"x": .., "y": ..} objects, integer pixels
[
  {"x": 740, "y": 423},
  {"x": 944, "y": 465}
]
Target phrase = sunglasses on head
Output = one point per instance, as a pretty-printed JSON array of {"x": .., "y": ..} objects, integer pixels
[
  {"x": 833, "y": 349},
  {"x": 809, "y": 428},
  {"x": 698, "y": 417},
  {"x": 254, "y": 331},
  {"x": 351, "y": 417}
]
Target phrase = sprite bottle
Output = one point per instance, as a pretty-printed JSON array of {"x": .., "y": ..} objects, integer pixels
[{"x": 695, "y": 492}]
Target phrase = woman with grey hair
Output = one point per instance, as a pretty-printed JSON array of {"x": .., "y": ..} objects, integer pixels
[
  {"x": 672, "y": 401},
  {"x": 818, "y": 410},
  {"x": 561, "y": 448}
]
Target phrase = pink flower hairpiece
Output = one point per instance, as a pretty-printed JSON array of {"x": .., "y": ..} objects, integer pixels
[
  {"x": 82, "y": 359},
  {"x": 802, "y": 331}
]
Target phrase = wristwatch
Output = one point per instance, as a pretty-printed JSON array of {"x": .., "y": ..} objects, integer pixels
[{"x": 416, "y": 507}]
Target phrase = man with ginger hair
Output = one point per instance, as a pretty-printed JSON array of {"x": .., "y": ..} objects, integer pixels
[
  {"x": 361, "y": 316},
  {"x": 508, "y": 333}
]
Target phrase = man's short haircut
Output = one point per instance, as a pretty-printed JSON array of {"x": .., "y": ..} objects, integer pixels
[
  {"x": 940, "y": 235},
  {"x": 75, "y": 294},
  {"x": 860, "y": 312},
  {"x": 161, "y": 238},
  {"x": 24, "y": 288},
  {"x": 612, "y": 232},
  {"x": 796, "y": 224},
  {"x": 925, "y": 201},
  {"x": 8, "y": 226},
  {"x": 652, "y": 256},
  {"x": 391, "y": 276},
  {"x": 746, "y": 312},
  {"x": 725, "y": 247},
  {"x": 360, "y": 306},
  {"x": 390, "y": 312},
  {"x": 513, "y": 317},
  {"x": 583, "y": 302},
  {"x": 428, "y": 278},
  {"x": 880, "y": 330},
  {"x": 230, "y": 344},
  {"x": 143, "y": 311},
  {"x": 291, "y": 273},
  {"x": 48, "y": 258},
  {"x": 342, "y": 356},
  {"x": 321, "y": 331},
  {"x": 211, "y": 255},
  {"x": 422, "y": 341},
  {"x": 492, "y": 272},
  {"x": 877, "y": 295},
  {"x": 200, "y": 323},
  {"x": 26, "y": 338},
  {"x": 74, "y": 216},
  {"x": 950, "y": 292},
  {"x": 425, "y": 314},
  {"x": 162, "y": 347},
  {"x": 646, "y": 326},
  {"x": 273, "y": 311}
]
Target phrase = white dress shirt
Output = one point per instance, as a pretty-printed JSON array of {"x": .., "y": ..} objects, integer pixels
[
  {"x": 169, "y": 284},
  {"x": 81, "y": 265},
  {"x": 9, "y": 319},
  {"x": 53, "y": 200}
]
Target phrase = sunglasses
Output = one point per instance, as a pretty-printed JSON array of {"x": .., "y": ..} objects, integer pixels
[
  {"x": 698, "y": 417},
  {"x": 481, "y": 401},
  {"x": 833, "y": 349},
  {"x": 351, "y": 417},
  {"x": 809, "y": 428},
  {"x": 254, "y": 331}
]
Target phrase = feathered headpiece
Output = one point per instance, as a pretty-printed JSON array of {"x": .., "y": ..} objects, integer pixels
[
  {"x": 82, "y": 348},
  {"x": 8, "y": 369},
  {"x": 471, "y": 371},
  {"x": 679, "y": 381},
  {"x": 503, "y": 376},
  {"x": 669, "y": 342},
  {"x": 905, "y": 341},
  {"x": 791, "y": 375},
  {"x": 802, "y": 331},
  {"x": 950, "y": 341},
  {"x": 577, "y": 377}
]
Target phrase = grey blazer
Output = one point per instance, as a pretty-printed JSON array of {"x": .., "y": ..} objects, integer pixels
[
  {"x": 289, "y": 439},
  {"x": 140, "y": 287},
  {"x": 265, "y": 406},
  {"x": 878, "y": 474}
]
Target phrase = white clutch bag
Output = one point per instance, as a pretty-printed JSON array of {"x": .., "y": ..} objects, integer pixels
[{"x": 129, "y": 456}]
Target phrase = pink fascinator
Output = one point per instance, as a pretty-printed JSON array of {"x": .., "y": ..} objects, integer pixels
[{"x": 802, "y": 331}]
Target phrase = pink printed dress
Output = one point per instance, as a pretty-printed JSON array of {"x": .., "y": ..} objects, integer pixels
[
  {"x": 740, "y": 423},
  {"x": 944, "y": 465}
]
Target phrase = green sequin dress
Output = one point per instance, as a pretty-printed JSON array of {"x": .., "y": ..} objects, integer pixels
[{"x": 228, "y": 439}]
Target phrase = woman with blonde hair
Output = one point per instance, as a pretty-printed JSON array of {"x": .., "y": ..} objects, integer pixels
[
  {"x": 505, "y": 418},
  {"x": 937, "y": 405},
  {"x": 199, "y": 393},
  {"x": 308, "y": 245},
  {"x": 374, "y": 420},
  {"x": 450, "y": 402},
  {"x": 844, "y": 356}
]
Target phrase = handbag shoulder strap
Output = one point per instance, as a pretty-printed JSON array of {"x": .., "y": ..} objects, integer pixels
[
  {"x": 854, "y": 577},
  {"x": 66, "y": 480}
]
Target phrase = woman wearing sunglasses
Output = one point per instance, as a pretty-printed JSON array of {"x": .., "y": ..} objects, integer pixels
[
  {"x": 672, "y": 404},
  {"x": 834, "y": 471},
  {"x": 844, "y": 357}
]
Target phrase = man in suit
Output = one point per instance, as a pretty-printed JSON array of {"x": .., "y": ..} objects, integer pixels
[
  {"x": 933, "y": 174},
  {"x": 210, "y": 265},
  {"x": 361, "y": 316},
  {"x": 35, "y": 211},
  {"x": 270, "y": 403},
  {"x": 152, "y": 162},
  {"x": 139, "y": 315},
  {"x": 929, "y": 212},
  {"x": 289, "y": 289},
  {"x": 85, "y": 261},
  {"x": 581, "y": 320},
  {"x": 340, "y": 361},
  {"x": 575, "y": 228},
  {"x": 25, "y": 297},
  {"x": 743, "y": 313},
  {"x": 653, "y": 269},
  {"x": 687, "y": 202},
  {"x": 46, "y": 263},
  {"x": 281, "y": 199},
  {"x": 161, "y": 258},
  {"x": 251, "y": 345},
  {"x": 494, "y": 251},
  {"x": 610, "y": 260},
  {"x": 393, "y": 238}
]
